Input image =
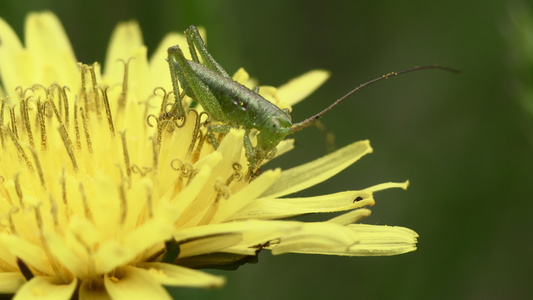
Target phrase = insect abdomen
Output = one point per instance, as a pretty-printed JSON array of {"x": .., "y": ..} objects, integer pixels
[{"x": 241, "y": 105}]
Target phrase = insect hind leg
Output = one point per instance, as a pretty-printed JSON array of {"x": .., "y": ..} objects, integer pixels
[{"x": 196, "y": 43}]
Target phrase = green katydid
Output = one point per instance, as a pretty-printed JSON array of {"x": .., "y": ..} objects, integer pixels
[{"x": 236, "y": 106}]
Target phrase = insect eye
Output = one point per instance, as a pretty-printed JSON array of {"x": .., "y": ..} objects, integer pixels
[{"x": 273, "y": 125}]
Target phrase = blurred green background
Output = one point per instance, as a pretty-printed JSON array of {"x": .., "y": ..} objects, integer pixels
[{"x": 464, "y": 141}]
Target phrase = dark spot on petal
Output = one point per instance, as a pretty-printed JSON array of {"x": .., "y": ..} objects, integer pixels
[{"x": 359, "y": 198}]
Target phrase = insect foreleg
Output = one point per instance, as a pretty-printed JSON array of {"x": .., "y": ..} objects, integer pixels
[
  {"x": 212, "y": 129},
  {"x": 250, "y": 151},
  {"x": 254, "y": 155}
]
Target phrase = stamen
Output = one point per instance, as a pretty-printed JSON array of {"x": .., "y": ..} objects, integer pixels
[
  {"x": 95, "y": 91},
  {"x": 51, "y": 259},
  {"x": 65, "y": 103},
  {"x": 222, "y": 192},
  {"x": 19, "y": 191},
  {"x": 12, "y": 211},
  {"x": 77, "y": 126},
  {"x": 20, "y": 151},
  {"x": 62, "y": 100},
  {"x": 50, "y": 102},
  {"x": 155, "y": 156},
  {"x": 64, "y": 188},
  {"x": 151, "y": 117},
  {"x": 125, "y": 153},
  {"x": 68, "y": 147},
  {"x": 123, "y": 204},
  {"x": 186, "y": 171},
  {"x": 162, "y": 110},
  {"x": 237, "y": 175},
  {"x": 83, "y": 90},
  {"x": 91, "y": 266},
  {"x": 137, "y": 170},
  {"x": 87, "y": 210},
  {"x": 13, "y": 122},
  {"x": 5, "y": 192},
  {"x": 108, "y": 111},
  {"x": 53, "y": 87},
  {"x": 26, "y": 120},
  {"x": 159, "y": 128},
  {"x": 124, "y": 92},
  {"x": 149, "y": 202},
  {"x": 38, "y": 166},
  {"x": 201, "y": 140},
  {"x": 63, "y": 183},
  {"x": 54, "y": 208},
  {"x": 41, "y": 115},
  {"x": 86, "y": 130},
  {"x": 194, "y": 134},
  {"x": 21, "y": 91}
]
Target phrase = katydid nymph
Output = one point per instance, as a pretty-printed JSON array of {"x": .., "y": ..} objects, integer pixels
[{"x": 235, "y": 106}]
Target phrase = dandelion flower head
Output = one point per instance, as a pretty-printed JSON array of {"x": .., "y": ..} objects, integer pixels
[{"x": 98, "y": 181}]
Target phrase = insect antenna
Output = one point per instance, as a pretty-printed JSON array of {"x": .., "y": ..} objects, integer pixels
[{"x": 309, "y": 121}]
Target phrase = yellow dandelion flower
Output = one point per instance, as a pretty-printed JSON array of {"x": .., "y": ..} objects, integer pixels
[{"x": 101, "y": 195}]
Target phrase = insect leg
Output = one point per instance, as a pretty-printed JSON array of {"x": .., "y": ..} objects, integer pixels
[
  {"x": 175, "y": 74},
  {"x": 192, "y": 85},
  {"x": 197, "y": 44},
  {"x": 250, "y": 152},
  {"x": 211, "y": 130}
]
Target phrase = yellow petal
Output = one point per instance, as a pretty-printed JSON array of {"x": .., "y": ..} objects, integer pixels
[
  {"x": 31, "y": 254},
  {"x": 65, "y": 254},
  {"x": 382, "y": 240},
  {"x": 209, "y": 244},
  {"x": 195, "y": 187},
  {"x": 159, "y": 71},
  {"x": 139, "y": 81},
  {"x": 316, "y": 238},
  {"x": 309, "y": 174},
  {"x": 134, "y": 283},
  {"x": 115, "y": 253},
  {"x": 10, "y": 47},
  {"x": 203, "y": 203},
  {"x": 43, "y": 288},
  {"x": 251, "y": 227},
  {"x": 125, "y": 41},
  {"x": 269, "y": 208},
  {"x": 241, "y": 76},
  {"x": 51, "y": 51},
  {"x": 302, "y": 86},
  {"x": 350, "y": 217},
  {"x": 11, "y": 282},
  {"x": 351, "y": 240},
  {"x": 388, "y": 185},
  {"x": 247, "y": 195},
  {"x": 172, "y": 275}
]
